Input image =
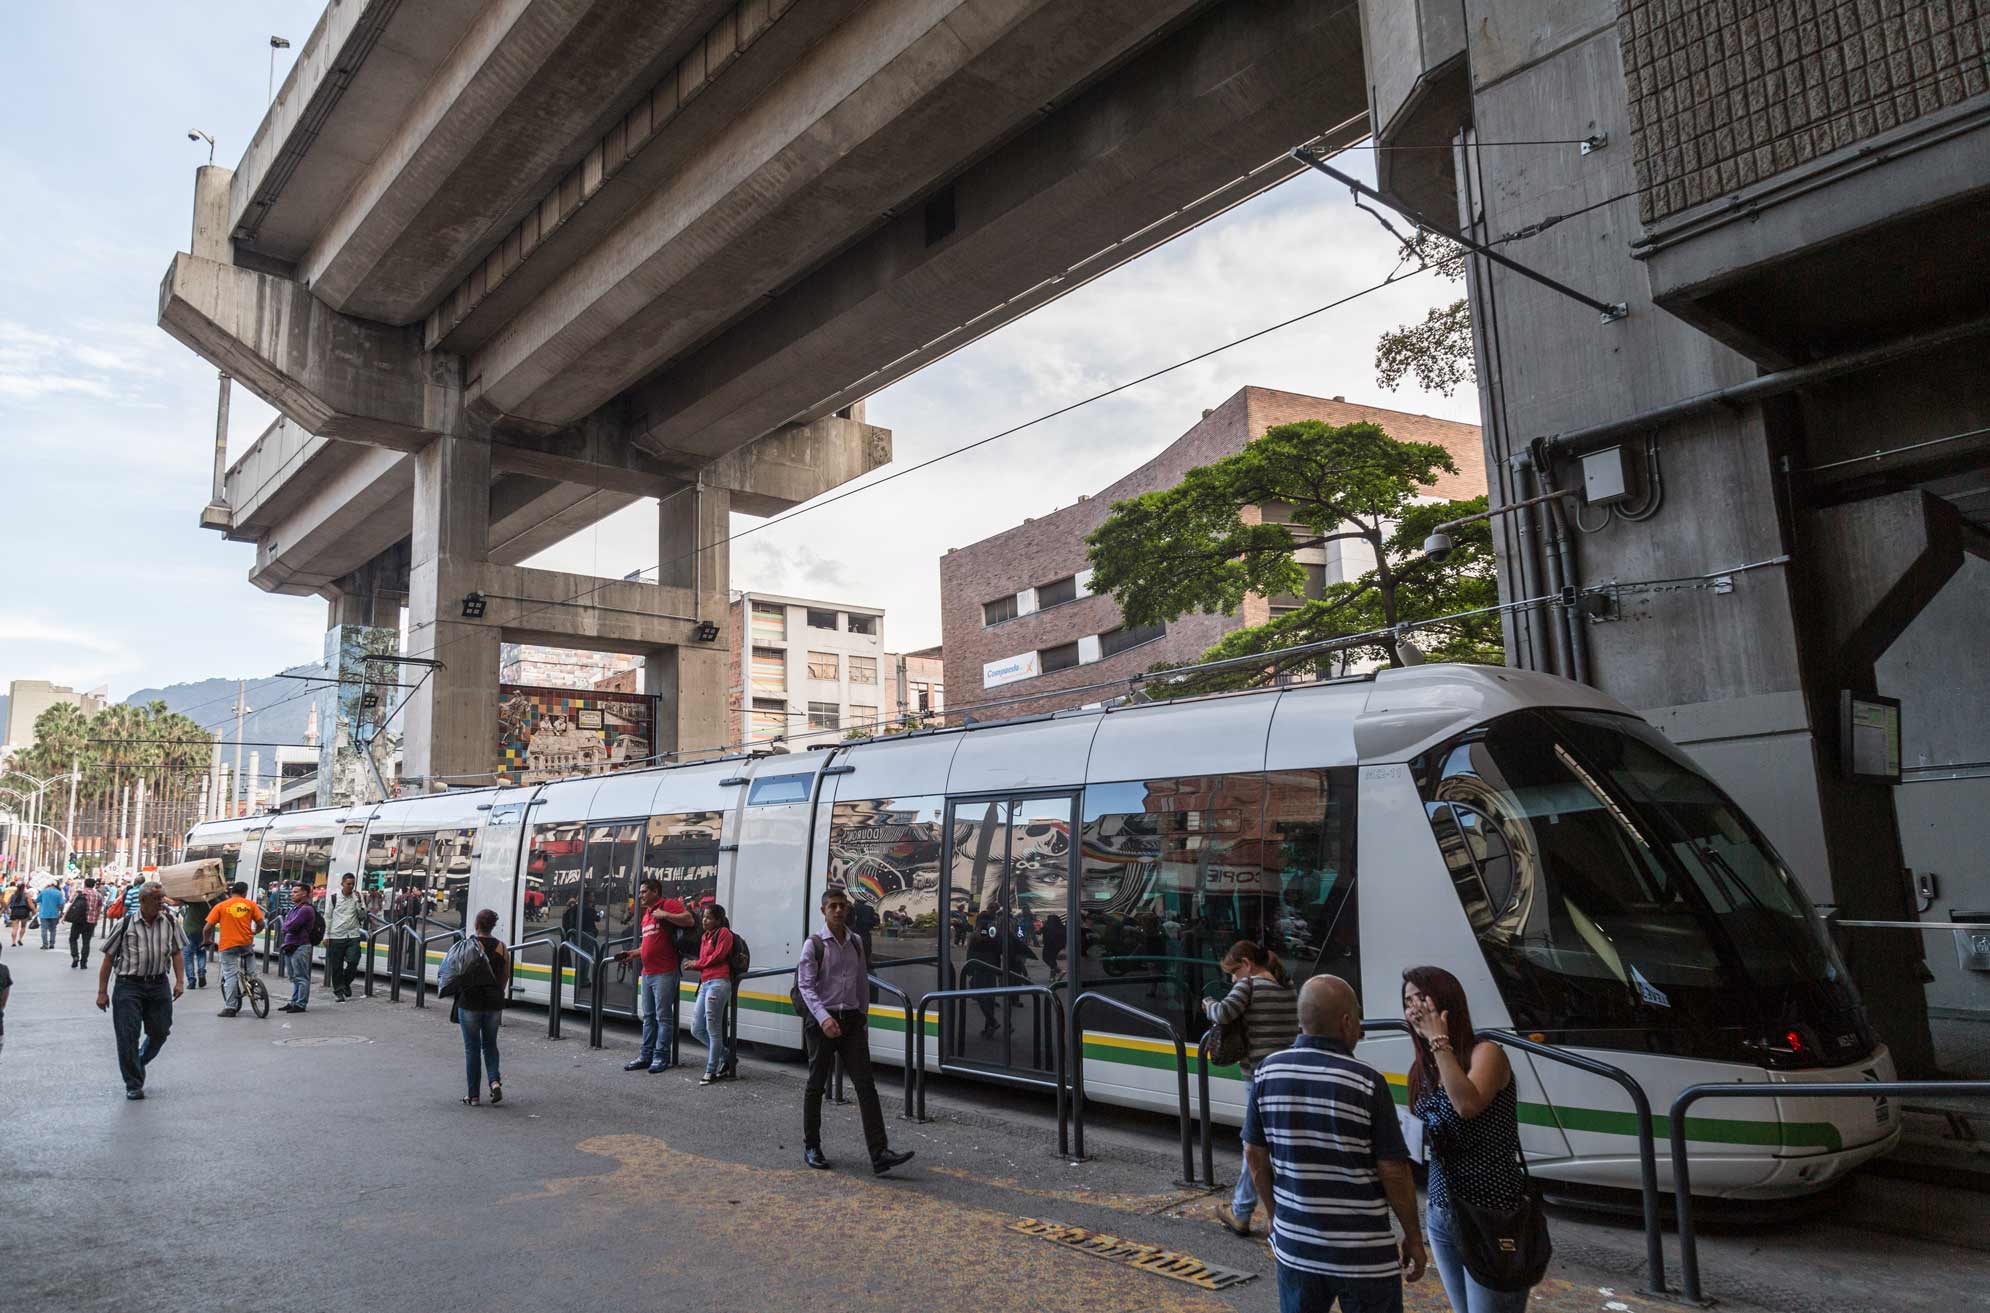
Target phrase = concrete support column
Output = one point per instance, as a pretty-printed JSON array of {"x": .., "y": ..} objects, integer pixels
[
  {"x": 451, "y": 720},
  {"x": 689, "y": 685},
  {"x": 692, "y": 551}
]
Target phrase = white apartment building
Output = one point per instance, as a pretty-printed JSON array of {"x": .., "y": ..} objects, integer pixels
[{"x": 806, "y": 671}]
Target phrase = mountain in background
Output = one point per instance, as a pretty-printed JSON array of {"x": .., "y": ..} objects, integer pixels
[{"x": 279, "y": 709}]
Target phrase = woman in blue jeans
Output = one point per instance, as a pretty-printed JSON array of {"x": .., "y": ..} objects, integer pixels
[
  {"x": 708, "y": 1014},
  {"x": 478, "y": 1006},
  {"x": 1461, "y": 1089}
]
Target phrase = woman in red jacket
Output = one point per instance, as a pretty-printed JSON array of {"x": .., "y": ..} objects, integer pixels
[{"x": 708, "y": 1014}]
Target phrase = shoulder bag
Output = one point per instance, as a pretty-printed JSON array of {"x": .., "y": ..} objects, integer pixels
[
  {"x": 1505, "y": 1249},
  {"x": 1230, "y": 1041}
]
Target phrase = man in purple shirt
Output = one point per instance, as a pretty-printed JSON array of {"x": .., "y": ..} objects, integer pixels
[
  {"x": 832, "y": 981},
  {"x": 300, "y": 930}
]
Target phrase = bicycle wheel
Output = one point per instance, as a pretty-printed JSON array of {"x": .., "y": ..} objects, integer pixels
[{"x": 258, "y": 996}]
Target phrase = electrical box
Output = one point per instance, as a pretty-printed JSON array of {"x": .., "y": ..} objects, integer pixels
[
  {"x": 1606, "y": 477},
  {"x": 1972, "y": 946}
]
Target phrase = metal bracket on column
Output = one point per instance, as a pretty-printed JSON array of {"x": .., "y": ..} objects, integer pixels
[{"x": 1611, "y": 311}]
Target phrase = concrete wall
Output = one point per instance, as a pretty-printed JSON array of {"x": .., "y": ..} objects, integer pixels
[{"x": 1936, "y": 669}]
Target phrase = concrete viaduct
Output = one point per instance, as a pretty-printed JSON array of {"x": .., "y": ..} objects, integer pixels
[{"x": 507, "y": 266}]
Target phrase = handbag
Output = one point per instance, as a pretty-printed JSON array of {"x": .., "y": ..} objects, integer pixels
[
  {"x": 1505, "y": 1249},
  {"x": 1230, "y": 1041}
]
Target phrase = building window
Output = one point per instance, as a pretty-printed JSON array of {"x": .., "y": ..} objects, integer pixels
[
  {"x": 1057, "y": 592},
  {"x": 1128, "y": 636},
  {"x": 822, "y": 665},
  {"x": 770, "y": 623},
  {"x": 770, "y": 718},
  {"x": 770, "y": 671},
  {"x": 823, "y": 715},
  {"x": 821, "y": 619},
  {"x": 865, "y": 718},
  {"x": 922, "y": 697},
  {"x": 1002, "y": 608},
  {"x": 1062, "y": 657},
  {"x": 1316, "y": 587},
  {"x": 863, "y": 670},
  {"x": 863, "y": 624}
]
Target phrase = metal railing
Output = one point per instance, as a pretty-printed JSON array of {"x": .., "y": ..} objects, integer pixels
[
  {"x": 1078, "y": 1006},
  {"x": 421, "y": 943},
  {"x": 511, "y": 987},
  {"x": 944, "y": 996},
  {"x": 564, "y": 949},
  {"x": 1038, "y": 1007},
  {"x": 1689, "y": 1250},
  {"x": 393, "y": 929},
  {"x": 905, "y": 1002},
  {"x": 729, "y": 1024}
]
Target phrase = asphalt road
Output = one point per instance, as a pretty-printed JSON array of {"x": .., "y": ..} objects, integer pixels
[{"x": 323, "y": 1161}]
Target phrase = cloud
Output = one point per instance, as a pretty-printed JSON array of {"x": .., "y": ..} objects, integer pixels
[
  {"x": 37, "y": 365},
  {"x": 36, "y": 647}
]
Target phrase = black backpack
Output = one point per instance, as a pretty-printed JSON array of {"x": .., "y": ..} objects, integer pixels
[
  {"x": 741, "y": 961},
  {"x": 79, "y": 909},
  {"x": 687, "y": 941},
  {"x": 317, "y": 926}
]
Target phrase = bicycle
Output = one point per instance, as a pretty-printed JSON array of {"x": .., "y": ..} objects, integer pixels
[{"x": 253, "y": 991}]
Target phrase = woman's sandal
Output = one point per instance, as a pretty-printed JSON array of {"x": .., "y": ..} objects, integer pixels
[{"x": 472, "y": 1101}]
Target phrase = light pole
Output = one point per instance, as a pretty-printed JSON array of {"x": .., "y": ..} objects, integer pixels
[
  {"x": 34, "y": 820},
  {"x": 195, "y": 134},
  {"x": 276, "y": 43}
]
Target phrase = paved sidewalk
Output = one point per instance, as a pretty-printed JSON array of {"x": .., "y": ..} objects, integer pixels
[{"x": 323, "y": 1161}]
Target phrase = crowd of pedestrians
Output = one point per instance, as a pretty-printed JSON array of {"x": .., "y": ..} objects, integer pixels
[{"x": 1325, "y": 1154}]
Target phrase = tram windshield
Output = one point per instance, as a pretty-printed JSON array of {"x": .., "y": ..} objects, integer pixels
[{"x": 1622, "y": 900}]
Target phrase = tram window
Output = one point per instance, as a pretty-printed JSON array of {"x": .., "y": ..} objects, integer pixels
[
  {"x": 449, "y": 879},
  {"x": 376, "y": 871},
  {"x": 411, "y": 875},
  {"x": 780, "y": 788},
  {"x": 681, "y": 851},
  {"x": 231, "y": 857},
  {"x": 555, "y": 861},
  {"x": 269, "y": 870},
  {"x": 885, "y": 852},
  {"x": 1309, "y": 858}
]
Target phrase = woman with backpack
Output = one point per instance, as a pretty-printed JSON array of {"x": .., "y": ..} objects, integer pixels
[
  {"x": 480, "y": 998},
  {"x": 1257, "y": 1018},
  {"x": 708, "y": 1014},
  {"x": 1461, "y": 1089}
]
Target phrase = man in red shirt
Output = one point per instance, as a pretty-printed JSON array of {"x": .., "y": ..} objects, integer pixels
[{"x": 657, "y": 990}]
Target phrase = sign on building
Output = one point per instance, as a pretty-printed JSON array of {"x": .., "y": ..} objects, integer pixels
[
  {"x": 1009, "y": 670},
  {"x": 545, "y": 733}
]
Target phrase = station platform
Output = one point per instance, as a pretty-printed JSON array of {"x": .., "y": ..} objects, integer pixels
[{"x": 323, "y": 1161}]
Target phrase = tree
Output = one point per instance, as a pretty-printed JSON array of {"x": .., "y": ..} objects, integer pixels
[
  {"x": 1437, "y": 351},
  {"x": 1191, "y": 548}
]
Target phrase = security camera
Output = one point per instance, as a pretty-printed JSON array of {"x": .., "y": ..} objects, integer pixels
[{"x": 1437, "y": 546}]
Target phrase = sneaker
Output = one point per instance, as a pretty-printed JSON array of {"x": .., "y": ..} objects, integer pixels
[
  {"x": 658, "y": 1068},
  {"x": 134, "y": 1095},
  {"x": 709, "y": 1078},
  {"x": 228, "y": 1012},
  {"x": 290, "y": 1007},
  {"x": 640, "y": 1064},
  {"x": 202, "y": 983},
  {"x": 1228, "y": 1216}
]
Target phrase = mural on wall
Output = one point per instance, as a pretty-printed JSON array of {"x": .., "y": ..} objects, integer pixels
[{"x": 545, "y": 733}]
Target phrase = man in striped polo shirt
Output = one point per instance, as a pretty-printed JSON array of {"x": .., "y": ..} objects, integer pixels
[
  {"x": 1327, "y": 1155},
  {"x": 140, "y": 949}
]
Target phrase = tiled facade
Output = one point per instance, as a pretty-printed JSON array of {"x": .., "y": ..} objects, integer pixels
[
  {"x": 1053, "y": 547},
  {"x": 1724, "y": 93}
]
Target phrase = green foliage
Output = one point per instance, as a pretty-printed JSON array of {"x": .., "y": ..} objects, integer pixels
[
  {"x": 1438, "y": 351},
  {"x": 1199, "y": 546},
  {"x": 114, "y": 750}
]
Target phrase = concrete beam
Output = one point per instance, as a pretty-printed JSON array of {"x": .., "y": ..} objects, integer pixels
[
  {"x": 529, "y": 515},
  {"x": 526, "y": 90},
  {"x": 1886, "y": 559},
  {"x": 1198, "y": 122},
  {"x": 596, "y": 615},
  {"x": 336, "y": 377},
  {"x": 872, "y": 116}
]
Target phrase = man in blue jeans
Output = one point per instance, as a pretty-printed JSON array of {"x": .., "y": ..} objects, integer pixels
[
  {"x": 1321, "y": 1138},
  {"x": 657, "y": 988},
  {"x": 48, "y": 906},
  {"x": 300, "y": 929}
]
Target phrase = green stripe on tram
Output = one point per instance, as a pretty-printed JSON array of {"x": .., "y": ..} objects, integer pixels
[{"x": 1589, "y": 1121}]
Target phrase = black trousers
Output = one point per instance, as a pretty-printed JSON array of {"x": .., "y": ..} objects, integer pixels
[
  {"x": 341, "y": 962},
  {"x": 140, "y": 1002},
  {"x": 854, "y": 1046},
  {"x": 80, "y": 934}
]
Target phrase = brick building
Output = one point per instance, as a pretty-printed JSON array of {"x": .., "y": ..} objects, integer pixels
[{"x": 1016, "y": 615}]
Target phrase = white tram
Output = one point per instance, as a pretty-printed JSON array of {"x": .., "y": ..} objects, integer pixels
[{"x": 1584, "y": 881}]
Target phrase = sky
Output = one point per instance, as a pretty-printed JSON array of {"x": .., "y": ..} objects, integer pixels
[{"x": 107, "y": 424}]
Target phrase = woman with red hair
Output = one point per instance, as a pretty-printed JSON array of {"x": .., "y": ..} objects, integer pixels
[{"x": 1461, "y": 1089}]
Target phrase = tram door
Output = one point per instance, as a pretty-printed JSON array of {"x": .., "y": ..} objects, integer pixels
[
  {"x": 1008, "y": 882},
  {"x": 608, "y": 907}
]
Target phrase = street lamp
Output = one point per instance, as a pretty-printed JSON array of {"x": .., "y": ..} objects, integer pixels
[
  {"x": 34, "y": 819},
  {"x": 276, "y": 43},
  {"x": 195, "y": 134}
]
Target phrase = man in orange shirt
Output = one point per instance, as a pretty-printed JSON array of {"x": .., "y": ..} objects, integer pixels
[{"x": 232, "y": 926}]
